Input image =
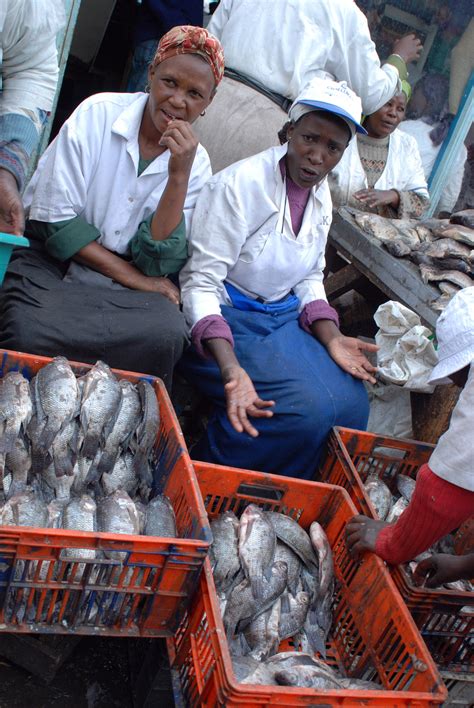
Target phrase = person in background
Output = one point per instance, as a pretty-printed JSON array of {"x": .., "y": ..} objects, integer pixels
[
  {"x": 266, "y": 344},
  {"x": 273, "y": 49},
  {"x": 382, "y": 171},
  {"x": 442, "y": 568},
  {"x": 444, "y": 492},
  {"x": 154, "y": 19},
  {"x": 428, "y": 122},
  {"x": 109, "y": 207},
  {"x": 28, "y": 79}
]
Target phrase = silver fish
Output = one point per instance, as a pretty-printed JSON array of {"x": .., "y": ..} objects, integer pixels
[
  {"x": 285, "y": 554},
  {"x": 430, "y": 273},
  {"x": 293, "y": 614},
  {"x": 262, "y": 676},
  {"x": 117, "y": 514},
  {"x": 61, "y": 485},
  {"x": 457, "y": 233},
  {"x": 441, "y": 303},
  {"x": 307, "y": 677},
  {"x": 64, "y": 449},
  {"x": 144, "y": 438},
  {"x": 262, "y": 634},
  {"x": 291, "y": 533},
  {"x": 18, "y": 462},
  {"x": 397, "y": 510},
  {"x": 99, "y": 408},
  {"x": 448, "y": 288},
  {"x": 290, "y": 659},
  {"x": 159, "y": 518},
  {"x": 224, "y": 551},
  {"x": 398, "y": 248},
  {"x": 123, "y": 428},
  {"x": 322, "y": 547},
  {"x": 465, "y": 218},
  {"x": 454, "y": 264},
  {"x": 379, "y": 494},
  {"x": 56, "y": 398},
  {"x": 257, "y": 542},
  {"x": 359, "y": 685},
  {"x": 406, "y": 486},
  {"x": 243, "y": 666},
  {"x": 25, "y": 509},
  {"x": 377, "y": 226},
  {"x": 121, "y": 476},
  {"x": 445, "y": 248},
  {"x": 15, "y": 409},
  {"x": 141, "y": 511},
  {"x": 242, "y": 606},
  {"x": 80, "y": 515}
]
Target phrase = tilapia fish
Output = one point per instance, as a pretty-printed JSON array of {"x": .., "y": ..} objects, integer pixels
[
  {"x": 406, "y": 486},
  {"x": 224, "y": 551},
  {"x": 263, "y": 633},
  {"x": 18, "y": 463},
  {"x": 257, "y": 542},
  {"x": 159, "y": 518},
  {"x": 121, "y": 476},
  {"x": 25, "y": 509},
  {"x": 429, "y": 273},
  {"x": 80, "y": 515},
  {"x": 124, "y": 426},
  {"x": 145, "y": 434},
  {"x": 455, "y": 264},
  {"x": 319, "y": 618},
  {"x": 15, "y": 409},
  {"x": 242, "y": 607},
  {"x": 99, "y": 409},
  {"x": 64, "y": 449},
  {"x": 117, "y": 514},
  {"x": 56, "y": 400},
  {"x": 379, "y": 494},
  {"x": 397, "y": 510},
  {"x": 285, "y": 554},
  {"x": 291, "y": 533},
  {"x": 457, "y": 233},
  {"x": 293, "y": 614},
  {"x": 465, "y": 218},
  {"x": 61, "y": 485},
  {"x": 307, "y": 677},
  {"x": 446, "y": 248}
]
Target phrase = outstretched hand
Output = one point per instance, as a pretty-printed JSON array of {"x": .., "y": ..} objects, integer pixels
[
  {"x": 408, "y": 48},
  {"x": 439, "y": 569},
  {"x": 243, "y": 401},
  {"x": 348, "y": 353}
]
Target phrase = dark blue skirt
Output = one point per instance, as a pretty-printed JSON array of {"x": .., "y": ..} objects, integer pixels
[{"x": 287, "y": 365}]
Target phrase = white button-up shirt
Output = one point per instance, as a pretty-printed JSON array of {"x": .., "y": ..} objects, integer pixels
[
  {"x": 403, "y": 170},
  {"x": 284, "y": 44},
  {"x": 242, "y": 233},
  {"x": 90, "y": 170}
]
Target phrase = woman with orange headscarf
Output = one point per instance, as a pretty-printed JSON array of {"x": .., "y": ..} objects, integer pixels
[{"x": 109, "y": 207}]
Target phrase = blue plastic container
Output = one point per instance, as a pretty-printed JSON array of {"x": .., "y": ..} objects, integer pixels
[{"x": 7, "y": 244}]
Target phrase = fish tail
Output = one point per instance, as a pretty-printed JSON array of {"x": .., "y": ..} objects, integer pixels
[
  {"x": 90, "y": 445},
  {"x": 46, "y": 437},
  {"x": 258, "y": 588},
  {"x": 106, "y": 462}
]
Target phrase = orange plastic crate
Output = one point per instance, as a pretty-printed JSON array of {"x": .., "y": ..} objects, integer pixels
[
  {"x": 373, "y": 634},
  {"x": 351, "y": 456},
  {"x": 43, "y": 588}
]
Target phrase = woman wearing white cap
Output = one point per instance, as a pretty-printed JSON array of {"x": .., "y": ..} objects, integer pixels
[
  {"x": 444, "y": 491},
  {"x": 266, "y": 344}
]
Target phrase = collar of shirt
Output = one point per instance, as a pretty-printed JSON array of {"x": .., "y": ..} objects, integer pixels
[{"x": 127, "y": 125}]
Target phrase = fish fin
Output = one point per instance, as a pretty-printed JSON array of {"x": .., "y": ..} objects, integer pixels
[
  {"x": 258, "y": 589},
  {"x": 47, "y": 435},
  {"x": 90, "y": 445},
  {"x": 107, "y": 462}
]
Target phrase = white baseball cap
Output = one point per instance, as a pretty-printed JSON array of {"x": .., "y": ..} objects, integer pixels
[
  {"x": 332, "y": 96},
  {"x": 455, "y": 335}
]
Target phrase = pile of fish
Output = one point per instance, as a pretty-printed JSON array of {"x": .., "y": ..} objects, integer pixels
[
  {"x": 275, "y": 582},
  {"x": 390, "y": 507},
  {"x": 443, "y": 249},
  {"x": 75, "y": 453}
]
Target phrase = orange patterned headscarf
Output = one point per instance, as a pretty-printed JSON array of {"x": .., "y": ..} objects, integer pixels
[{"x": 187, "y": 39}]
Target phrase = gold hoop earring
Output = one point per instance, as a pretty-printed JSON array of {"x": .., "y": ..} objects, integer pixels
[{"x": 203, "y": 113}]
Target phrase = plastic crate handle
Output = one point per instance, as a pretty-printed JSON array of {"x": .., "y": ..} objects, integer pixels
[{"x": 262, "y": 491}]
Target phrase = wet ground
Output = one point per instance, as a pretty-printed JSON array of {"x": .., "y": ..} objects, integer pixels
[{"x": 99, "y": 673}]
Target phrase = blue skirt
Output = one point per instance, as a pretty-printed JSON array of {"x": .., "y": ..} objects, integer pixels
[{"x": 287, "y": 365}]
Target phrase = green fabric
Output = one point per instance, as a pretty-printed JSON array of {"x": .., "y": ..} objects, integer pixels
[
  {"x": 399, "y": 65},
  {"x": 159, "y": 258},
  {"x": 63, "y": 239},
  {"x": 143, "y": 164}
]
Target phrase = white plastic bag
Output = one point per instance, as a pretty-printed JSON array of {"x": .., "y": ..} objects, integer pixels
[{"x": 406, "y": 356}]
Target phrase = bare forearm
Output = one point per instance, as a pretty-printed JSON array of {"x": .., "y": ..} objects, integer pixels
[
  {"x": 104, "y": 261},
  {"x": 222, "y": 351},
  {"x": 325, "y": 331},
  {"x": 169, "y": 212}
]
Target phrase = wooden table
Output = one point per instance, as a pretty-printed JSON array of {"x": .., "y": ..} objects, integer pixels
[
  {"x": 397, "y": 278},
  {"x": 400, "y": 280}
]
